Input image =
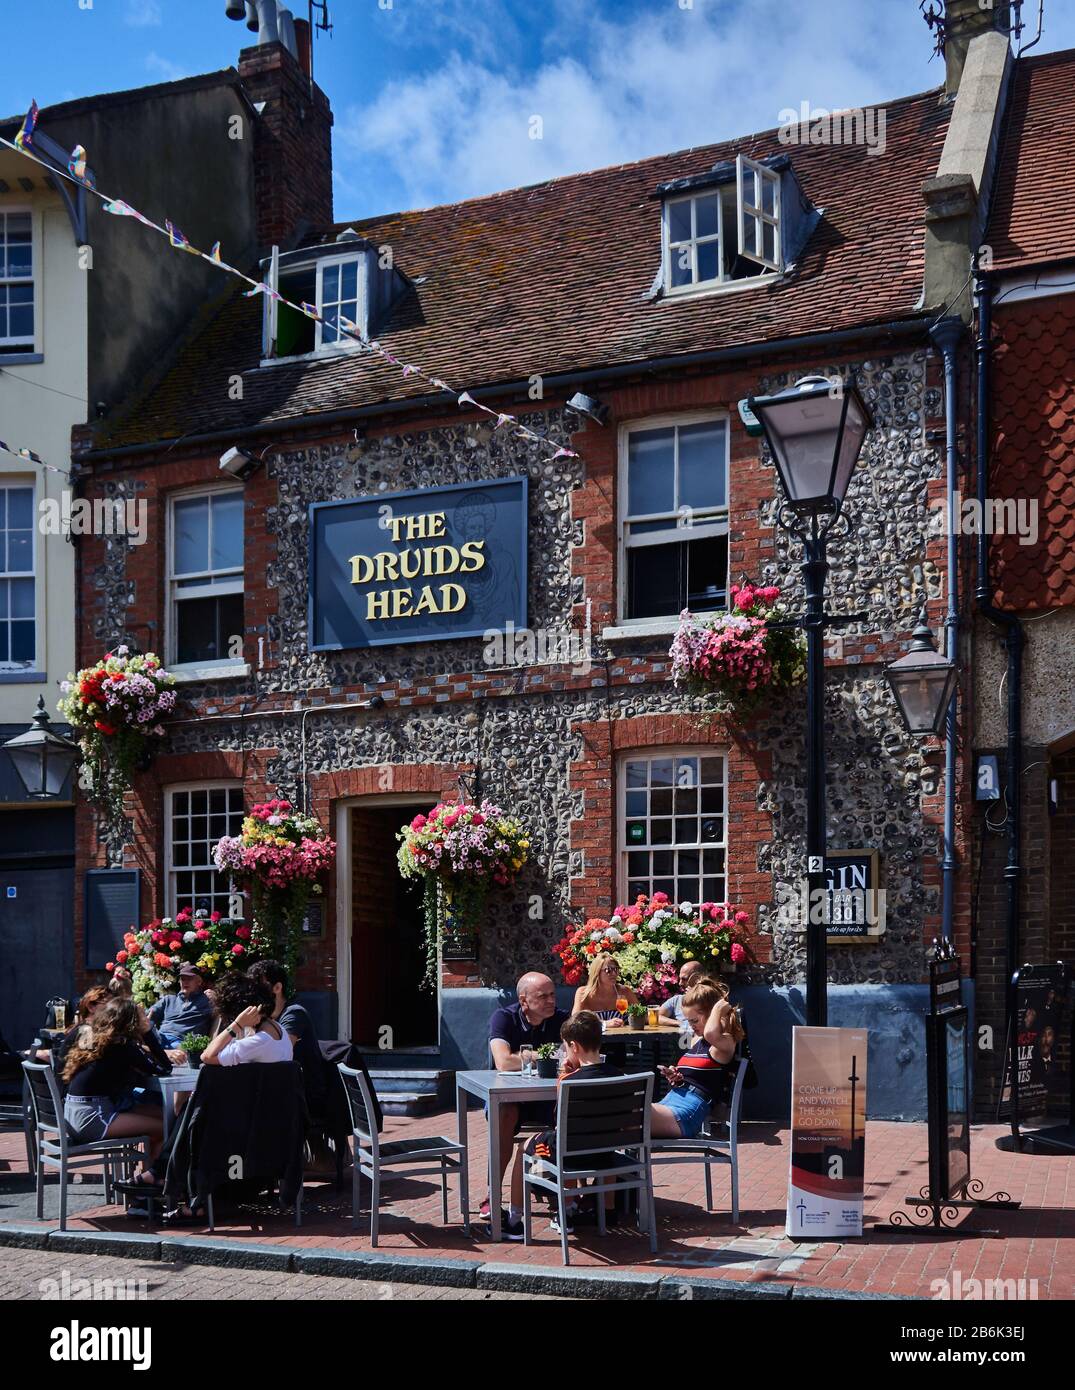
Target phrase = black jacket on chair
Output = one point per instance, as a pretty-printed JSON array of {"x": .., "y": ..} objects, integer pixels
[
  {"x": 255, "y": 1113},
  {"x": 339, "y": 1113}
]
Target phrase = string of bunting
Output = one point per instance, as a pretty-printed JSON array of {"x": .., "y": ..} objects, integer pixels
[
  {"x": 77, "y": 172},
  {"x": 31, "y": 457}
]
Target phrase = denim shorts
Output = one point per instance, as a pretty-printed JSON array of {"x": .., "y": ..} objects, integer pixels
[
  {"x": 689, "y": 1107},
  {"x": 88, "y": 1117}
]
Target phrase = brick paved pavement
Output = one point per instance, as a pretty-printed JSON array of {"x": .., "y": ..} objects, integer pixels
[{"x": 1034, "y": 1243}]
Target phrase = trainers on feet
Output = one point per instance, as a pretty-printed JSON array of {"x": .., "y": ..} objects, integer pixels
[
  {"x": 511, "y": 1230},
  {"x": 554, "y": 1225}
]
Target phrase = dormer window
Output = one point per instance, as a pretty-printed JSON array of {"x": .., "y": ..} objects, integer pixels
[
  {"x": 739, "y": 221},
  {"x": 342, "y": 281}
]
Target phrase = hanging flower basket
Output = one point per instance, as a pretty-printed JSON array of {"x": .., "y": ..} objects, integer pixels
[
  {"x": 651, "y": 939},
  {"x": 153, "y": 954},
  {"x": 280, "y": 858},
  {"x": 115, "y": 709},
  {"x": 461, "y": 852},
  {"x": 740, "y": 658}
]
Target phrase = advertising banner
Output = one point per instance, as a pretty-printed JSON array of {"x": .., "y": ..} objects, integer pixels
[
  {"x": 828, "y": 1133},
  {"x": 1040, "y": 998}
]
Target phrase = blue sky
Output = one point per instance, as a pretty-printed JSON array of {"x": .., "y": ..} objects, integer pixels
[{"x": 435, "y": 100}]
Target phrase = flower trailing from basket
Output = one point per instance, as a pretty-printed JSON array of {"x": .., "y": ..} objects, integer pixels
[
  {"x": 153, "y": 954},
  {"x": 281, "y": 857},
  {"x": 740, "y": 657},
  {"x": 115, "y": 709},
  {"x": 461, "y": 851},
  {"x": 652, "y": 938}
]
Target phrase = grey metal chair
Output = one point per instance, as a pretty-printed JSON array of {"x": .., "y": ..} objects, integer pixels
[
  {"x": 54, "y": 1148},
  {"x": 371, "y": 1156},
  {"x": 602, "y": 1139},
  {"x": 712, "y": 1148}
]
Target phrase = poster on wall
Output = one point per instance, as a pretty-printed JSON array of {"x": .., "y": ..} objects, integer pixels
[{"x": 828, "y": 1133}]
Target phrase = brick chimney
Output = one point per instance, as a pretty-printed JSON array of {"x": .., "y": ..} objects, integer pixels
[{"x": 292, "y": 146}]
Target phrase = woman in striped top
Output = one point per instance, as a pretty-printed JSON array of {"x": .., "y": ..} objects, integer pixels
[
  {"x": 602, "y": 990},
  {"x": 701, "y": 1075}
]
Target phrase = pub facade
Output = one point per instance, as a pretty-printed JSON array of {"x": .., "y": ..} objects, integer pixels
[{"x": 395, "y": 599}]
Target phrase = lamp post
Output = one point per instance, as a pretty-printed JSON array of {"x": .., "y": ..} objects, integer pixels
[
  {"x": 815, "y": 431},
  {"x": 43, "y": 759}
]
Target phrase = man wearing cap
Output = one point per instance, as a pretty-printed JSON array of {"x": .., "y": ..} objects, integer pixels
[{"x": 176, "y": 1016}]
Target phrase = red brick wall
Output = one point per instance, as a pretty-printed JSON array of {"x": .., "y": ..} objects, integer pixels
[{"x": 293, "y": 146}]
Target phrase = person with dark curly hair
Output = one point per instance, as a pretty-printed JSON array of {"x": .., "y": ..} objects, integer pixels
[{"x": 248, "y": 1032}]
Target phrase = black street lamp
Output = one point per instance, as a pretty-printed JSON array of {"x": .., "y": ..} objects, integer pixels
[
  {"x": 43, "y": 759},
  {"x": 923, "y": 683},
  {"x": 815, "y": 431}
]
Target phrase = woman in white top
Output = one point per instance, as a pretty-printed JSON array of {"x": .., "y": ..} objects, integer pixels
[{"x": 248, "y": 1032}]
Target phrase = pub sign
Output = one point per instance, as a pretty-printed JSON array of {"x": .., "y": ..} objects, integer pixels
[{"x": 418, "y": 566}]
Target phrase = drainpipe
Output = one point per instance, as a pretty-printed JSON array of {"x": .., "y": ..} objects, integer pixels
[
  {"x": 946, "y": 334},
  {"x": 1013, "y": 644}
]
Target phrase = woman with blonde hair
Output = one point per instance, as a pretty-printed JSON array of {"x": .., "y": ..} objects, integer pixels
[
  {"x": 701, "y": 1076},
  {"x": 602, "y": 990}
]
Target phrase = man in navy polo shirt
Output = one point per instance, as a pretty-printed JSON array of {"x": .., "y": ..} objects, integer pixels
[{"x": 534, "y": 1020}]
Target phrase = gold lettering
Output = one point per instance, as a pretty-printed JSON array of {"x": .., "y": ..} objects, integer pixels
[
  {"x": 376, "y": 606},
  {"x": 361, "y": 569},
  {"x": 410, "y": 564},
  {"x": 394, "y": 523},
  {"x": 471, "y": 552},
  {"x": 449, "y": 590},
  {"x": 387, "y": 565},
  {"x": 401, "y": 603},
  {"x": 436, "y": 524},
  {"x": 441, "y": 559},
  {"x": 427, "y": 603}
]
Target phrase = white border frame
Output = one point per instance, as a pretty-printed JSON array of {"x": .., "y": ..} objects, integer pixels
[
  {"x": 168, "y": 792},
  {"x": 626, "y": 429},
  {"x": 182, "y": 495},
  {"x": 649, "y": 752}
]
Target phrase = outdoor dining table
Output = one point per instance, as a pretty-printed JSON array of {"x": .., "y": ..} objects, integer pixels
[
  {"x": 497, "y": 1088},
  {"x": 180, "y": 1079}
]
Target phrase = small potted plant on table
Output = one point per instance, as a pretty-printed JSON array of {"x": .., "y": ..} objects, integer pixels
[
  {"x": 547, "y": 1065},
  {"x": 194, "y": 1044},
  {"x": 637, "y": 1015}
]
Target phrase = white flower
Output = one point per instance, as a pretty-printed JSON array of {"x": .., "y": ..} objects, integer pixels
[
  {"x": 657, "y": 918},
  {"x": 166, "y": 921},
  {"x": 692, "y": 931},
  {"x": 189, "y": 936},
  {"x": 614, "y": 934},
  {"x": 688, "y": 908},
  {"x": 596, "y": 935},
  {"x": 667, "y": 957},
  {"x": 615, "y": 921}
]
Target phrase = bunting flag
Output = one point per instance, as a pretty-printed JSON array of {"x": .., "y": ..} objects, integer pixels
[
  {"x": 77, "y": 167},
  {"x": 26, "y": 130},
  {"x": 31, "y": 457},
  {"x": 77, "y": 173}
]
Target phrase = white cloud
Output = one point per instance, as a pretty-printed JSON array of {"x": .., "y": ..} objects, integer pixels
[
  {"x": 610, "y": 92},
  {"x": 143, "y": 14},
  {"x": 164, "y": 69}
]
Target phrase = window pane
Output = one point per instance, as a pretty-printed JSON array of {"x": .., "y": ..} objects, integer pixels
[
  {"x": 660, "y": 802},
  {"x": 204, "y": 625},
  {"x": 227, "y": 548},
  {"x": 661, "y": 832},
  {"x": 22, "y": 598},
  {"x": 706, "y": 214},
  {"x": 708, "y": 261},
  {"x": 636, "y": 804},
  {"x": 650, "y": 472},
  {"x": 679, "y": 220},
  {"x": 712, "y": 772},
  {"x": 682, "y": 265},
  {"x": 768, "y": 196},
  {"x": 654, "y": 581},
  {"x": 20, "y": 552},
  {"x": 637, "y": 774},
  {"x": 22, "y": 641},
  {"x": 191, "y": 526},
  {"x": 663, "y": 861},
  {"x": 686, "y": 776},
  {"x": 20, "y": 508},
  {"x": 702, "y": 453},
  {"x": 330, "y": 283},
  {"x": 769, "y": 240},
  {"x": 660, "y": 772},
  {"x": 707, "y": 571},
  {"x": 5, "y": 590},
  {"x": 349, "y": 281}
]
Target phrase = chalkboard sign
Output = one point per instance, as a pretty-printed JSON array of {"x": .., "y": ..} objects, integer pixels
[{"x": 854, "y": 910}]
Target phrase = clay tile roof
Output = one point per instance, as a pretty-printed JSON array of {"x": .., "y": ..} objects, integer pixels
[
  {"x": 1033, "y": 211},
  {"x": 555, "y": 277}
]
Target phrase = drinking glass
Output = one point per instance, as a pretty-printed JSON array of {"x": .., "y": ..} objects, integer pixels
[
  {"x": 526, "y": 1056},
  {"x": 60, "y": 1014},
  {"x": 652, "y": 1017}
]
